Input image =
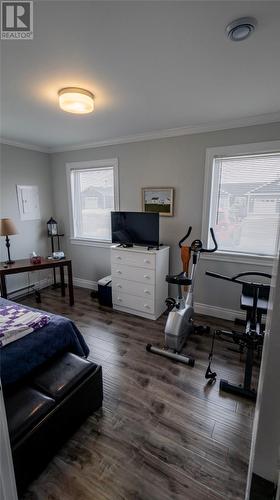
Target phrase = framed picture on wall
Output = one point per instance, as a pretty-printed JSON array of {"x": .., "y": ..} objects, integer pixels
[{"x": 160, "y": 200}]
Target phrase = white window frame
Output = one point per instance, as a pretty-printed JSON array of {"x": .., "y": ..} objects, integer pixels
[
  {"x": 86, "y": 165},
  {"x": 221, "y": 152}
]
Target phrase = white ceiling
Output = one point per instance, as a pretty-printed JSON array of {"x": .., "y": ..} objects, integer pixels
[{"x": 151, "y": 65}]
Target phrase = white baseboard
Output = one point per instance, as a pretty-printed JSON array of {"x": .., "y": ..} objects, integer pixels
[
  {"x": 205, "y": 309},
  {"x": 218, "y": 312},
  {"x": 91, "y": 285}
]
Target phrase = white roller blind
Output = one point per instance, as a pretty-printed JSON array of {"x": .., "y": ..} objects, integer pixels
[
  {"x": 93, "y": 199},
  {"x": 245, "y": 203}
]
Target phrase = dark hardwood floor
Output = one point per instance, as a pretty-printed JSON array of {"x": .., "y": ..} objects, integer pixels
[{"x": 163, "y": 433}]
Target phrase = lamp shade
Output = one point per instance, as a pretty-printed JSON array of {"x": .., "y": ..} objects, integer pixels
[{"x": 7, "y": 227}]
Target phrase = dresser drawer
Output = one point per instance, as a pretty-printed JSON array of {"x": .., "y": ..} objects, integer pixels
[
  {"x": 133, "y": 274},
  {"x": 132, "y": 302},
  {"x": 134, "y": 259},
  {"x": 133, "y": 288}
]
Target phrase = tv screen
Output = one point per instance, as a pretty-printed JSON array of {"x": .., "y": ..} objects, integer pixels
[{"x": 136, "y": 228}]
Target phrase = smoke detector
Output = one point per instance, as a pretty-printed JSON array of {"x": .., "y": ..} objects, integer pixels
[{"x": 241, "y": 29}]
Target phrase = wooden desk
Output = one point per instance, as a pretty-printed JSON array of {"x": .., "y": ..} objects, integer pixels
[{"x": 25, "y": 266}]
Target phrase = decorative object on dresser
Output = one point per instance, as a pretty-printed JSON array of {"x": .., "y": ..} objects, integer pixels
[
  {"x": 54, "y": 235},
  {"x": 159, "y": 200},
  {"x": 138, "y": 280},
  {"x": 7, "y": 228}
]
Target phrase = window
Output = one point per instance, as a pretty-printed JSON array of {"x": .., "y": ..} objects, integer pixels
[
  {"x": 93, "y": 190},
  {"x": 244, "y": 202}
]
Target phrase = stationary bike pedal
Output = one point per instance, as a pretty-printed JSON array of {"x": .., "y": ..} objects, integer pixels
[
  {"x": 218, "y": 333},
  {"x": 170, "y": 303},
  {"x": 200, "y": 330}
]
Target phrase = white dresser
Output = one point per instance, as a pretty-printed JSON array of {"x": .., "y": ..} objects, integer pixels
[{"x": 138, "y": 280}]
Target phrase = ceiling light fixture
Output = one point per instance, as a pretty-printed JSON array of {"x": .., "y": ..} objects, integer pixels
[
  {"x": 240, "y": 29},
  {"x": 76, "y": 100}
]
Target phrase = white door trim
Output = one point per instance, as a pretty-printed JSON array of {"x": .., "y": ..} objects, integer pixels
[{"x": 8, "y": 490}]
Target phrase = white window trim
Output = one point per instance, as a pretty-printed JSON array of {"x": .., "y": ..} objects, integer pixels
[
  {"x": 111, "y": 162},
  {"x": 222, "y": 152}
]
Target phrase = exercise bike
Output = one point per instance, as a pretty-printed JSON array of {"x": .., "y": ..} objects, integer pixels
[
  {"x": 179, "y": 325},
  {"x": 254, "y": 300}
]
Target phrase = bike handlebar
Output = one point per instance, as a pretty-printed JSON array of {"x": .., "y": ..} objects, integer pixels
[
  {"x": 235, "y": 279},
  {"x": 205, "y": 250},
  {"x": 185, "y": 237},
  {"x": 211, "y": 250}
]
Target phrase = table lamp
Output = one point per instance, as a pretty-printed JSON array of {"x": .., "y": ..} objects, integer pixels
[{"x": 7, "y": 228}]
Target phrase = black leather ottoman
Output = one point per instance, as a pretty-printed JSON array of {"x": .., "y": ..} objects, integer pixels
[
  {"x": 25, "y": 409},
  {"x": 60, "y": 376},
  {"x": 43, "y": 414}
]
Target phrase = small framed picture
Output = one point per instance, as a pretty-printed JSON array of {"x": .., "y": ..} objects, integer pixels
[{"x": 158, "y": 200}]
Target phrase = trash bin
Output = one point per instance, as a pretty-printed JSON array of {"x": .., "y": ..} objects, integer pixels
[{"x": 105, "y": 291}]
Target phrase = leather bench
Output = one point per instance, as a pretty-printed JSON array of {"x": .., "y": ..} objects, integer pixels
[{"x": 44, "y": 412}]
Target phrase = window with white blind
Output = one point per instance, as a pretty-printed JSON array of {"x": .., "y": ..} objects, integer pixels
[
  {"x": 244, "y": 202},
  {"x": 93, "y": 195}
]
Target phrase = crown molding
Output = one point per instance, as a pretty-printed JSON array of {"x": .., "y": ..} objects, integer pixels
[
  {"x": 175, "y": 132},
  {"x": 160, "y": 134},
  {"x": 24, "y": 145}
]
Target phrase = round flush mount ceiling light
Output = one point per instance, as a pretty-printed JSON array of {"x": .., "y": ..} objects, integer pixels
[
  {"x": 76, "y": 100},
  {"x": 240, "y": 29}
]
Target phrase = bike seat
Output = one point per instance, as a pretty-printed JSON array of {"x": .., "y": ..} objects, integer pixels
[
  {"x": 178, "y": 279},
  {"x": 247, "y": 300}
]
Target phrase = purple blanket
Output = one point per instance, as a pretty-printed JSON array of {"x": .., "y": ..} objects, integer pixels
[{"x": 16, "y": 321}]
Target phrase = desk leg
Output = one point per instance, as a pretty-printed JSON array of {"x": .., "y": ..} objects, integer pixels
[
  {"x": 70, "y": 284},
  {"x": 3, "y": 286},
  {"x": 62, "y": 281}
]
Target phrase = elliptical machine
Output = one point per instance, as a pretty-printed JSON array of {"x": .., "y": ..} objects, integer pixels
[
  {"x": 254, "y": 300},
  {"x": 179, "y": 325}
]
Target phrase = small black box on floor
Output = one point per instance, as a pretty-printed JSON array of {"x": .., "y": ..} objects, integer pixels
[{"x": 105, "y": 291}]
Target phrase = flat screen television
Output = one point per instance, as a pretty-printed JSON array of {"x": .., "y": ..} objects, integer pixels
[{"x": 135, "y": 228}]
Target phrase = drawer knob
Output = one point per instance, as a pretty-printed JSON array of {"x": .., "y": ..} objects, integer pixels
[
  {"x": 118, "y": 271},
  {"x": 146, "y": 276},
  {"x": 147, "y": 292},
  {"x": 119, "y": 286},
  {"x": 119, "y": 299},
  {"x": 118, "y": 257},
  {"x": 146, "y": 261},
  {"x": 146, "y": 306}
]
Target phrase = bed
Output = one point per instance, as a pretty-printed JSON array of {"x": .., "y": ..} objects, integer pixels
[{"x": 21, "y": 357}]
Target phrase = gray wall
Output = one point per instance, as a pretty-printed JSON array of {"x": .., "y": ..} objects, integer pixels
[
  {"x": 23, "y": 166},
  {"x": 177, "y": 162}
]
